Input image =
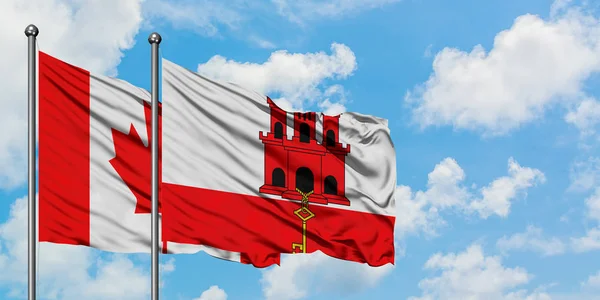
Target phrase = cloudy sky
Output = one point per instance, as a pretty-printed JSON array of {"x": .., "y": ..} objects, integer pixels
[{"x": 494, "y": 109}]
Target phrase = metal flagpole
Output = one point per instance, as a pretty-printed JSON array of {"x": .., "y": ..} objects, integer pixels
[
  {"x": 31, "y": 32},
  {"x": 154, "y": 40}
]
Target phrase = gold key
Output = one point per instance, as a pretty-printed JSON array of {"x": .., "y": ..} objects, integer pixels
[{"x": 304, "y": 214}]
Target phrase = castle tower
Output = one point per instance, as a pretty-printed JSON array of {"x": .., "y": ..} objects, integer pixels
[
  {"x": 305, "y": 126},
  {"x": 331, "y": 130},
  {"x": 334, "y": 161},
  {"x": 275, "y": 154},
  {"x": 303, "y": 163}
]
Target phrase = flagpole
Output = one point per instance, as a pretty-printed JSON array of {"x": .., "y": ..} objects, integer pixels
[
  {"x": 31, "y": 32},
  {"x": 154, "y": 40}
]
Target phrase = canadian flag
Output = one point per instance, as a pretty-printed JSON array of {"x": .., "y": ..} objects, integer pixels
[
  {"x": 243, "y": 175},
  {"x": 95, "y": 162}
]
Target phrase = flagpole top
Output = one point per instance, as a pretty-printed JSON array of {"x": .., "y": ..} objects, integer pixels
[
  {"x": 31, "y": 30},
  {"x": 154, "y": 38}
]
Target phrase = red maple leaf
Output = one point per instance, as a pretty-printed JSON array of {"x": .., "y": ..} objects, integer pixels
[{"x": 133, "y": 160}]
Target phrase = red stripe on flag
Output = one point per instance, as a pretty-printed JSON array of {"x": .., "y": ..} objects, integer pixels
[
  {"x": 260, "y": 260},
  {"x": 263, "y": 227},
  {"x": 64, "y": 152}
]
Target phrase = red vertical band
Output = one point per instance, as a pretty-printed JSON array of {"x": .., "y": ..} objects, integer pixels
[{"x": 64, "y": 152}]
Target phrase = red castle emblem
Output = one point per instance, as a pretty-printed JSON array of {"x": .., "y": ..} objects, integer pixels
[{"x": 303, "y": 163}]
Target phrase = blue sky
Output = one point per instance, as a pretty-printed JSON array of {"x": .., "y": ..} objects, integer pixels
[{"x": 493, "y": 110}]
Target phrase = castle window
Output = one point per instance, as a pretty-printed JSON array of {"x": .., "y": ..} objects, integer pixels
[
  {"x": 330, "y": 138},
  {"x": 278, "y": 130},
  {"x": 304, "y": 133},
  {"x": 330, "y": 185},
  {"x": 278, "y": 177},
  {"x": 305, "y": 180}
]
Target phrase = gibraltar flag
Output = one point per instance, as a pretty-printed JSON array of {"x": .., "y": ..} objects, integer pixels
[
  {"x": 243, "y": 175},
  {"x": 95, "y": 162}
]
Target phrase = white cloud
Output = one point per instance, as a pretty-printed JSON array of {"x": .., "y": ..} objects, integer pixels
[
  {"x": 585, "y": 117},
  {"x": 117, "y": 278},
  {"x": 585, "y": 175},
  {"x": 335, "y": 98},
  {"x": 297, "y": 77},
  {"x": 592, "y": 204},
  {"x": 83, "y": 272},
  {"x": 472, "y": 275},
  {"x": 201, "y": 16},
  {"x": 593, "y": 282},
  {"x": 301, "y": 274},
  {"x": 427, "y": 53},
  {"x": 533, "y": 65},
  {"x": 213, "y": 18},
  {"x": 168, "y": 266},
  {"x": 443, "y": 185},
  {"x": 415, "y": 214},
  {"x": 76, "y": 31},
  {"x": 496, "y": 196},
  {"x": 532, "y": 239},
  {"x": 164, "y": 269},
  {"x": 420, "y": 211},
  {"x": 559, "y": 6},
  {"x": 589, "y": 242},
  {"x": 589, "y": 291},
  {"x": 213, "y": 293},
  {"x": 261, "y": 42},
  {"x": 525, "y": 295},
  {"x": 301, "y": 11},
  {"x": 332, "y": 108}
]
